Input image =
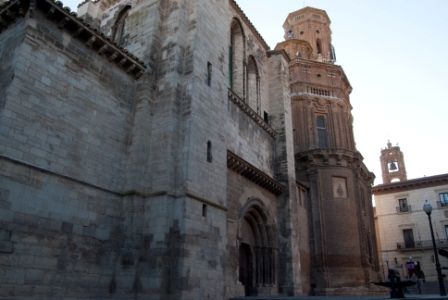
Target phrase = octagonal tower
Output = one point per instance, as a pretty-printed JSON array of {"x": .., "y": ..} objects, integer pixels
[{"x": 342, "y": 250}]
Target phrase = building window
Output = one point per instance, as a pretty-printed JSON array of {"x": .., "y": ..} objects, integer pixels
[
  {"x": 252, "y": 84},
  {"x": 237, "y": 54},
  {"x": 403, "y": 206},
  {"x": 266, "y": 117},
  {"x": 443, "y": 199},
  {"x": 446, "y": 230},
  {"x": 321, "y": 132},
  {"x": 118, "y": 30},
  {"x": 319, "y": 46},
  {"x": 408, "y": 236},
  {"x": 209, "y": 74},
  {"x": 209, "y": 152},
  {"x": 204, "y": 210}
]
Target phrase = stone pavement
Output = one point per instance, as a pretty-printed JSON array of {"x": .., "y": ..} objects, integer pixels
[{"x": 413, "y": 297}]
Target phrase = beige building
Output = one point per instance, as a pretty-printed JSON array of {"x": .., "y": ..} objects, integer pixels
[
  {"x": 160, "y": 150},
  {"x": 404, "y": 238}
]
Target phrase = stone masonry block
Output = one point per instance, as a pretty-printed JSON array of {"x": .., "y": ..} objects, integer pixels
[
  {"x": 67, "y": 227},
  {"x": 6, "y": 247},
  {"x": 5, "y": 235},
  {"x": 4, "y": 194},
  {"x": 25, "y": 219},
  {"x": 89, "y": 231}
]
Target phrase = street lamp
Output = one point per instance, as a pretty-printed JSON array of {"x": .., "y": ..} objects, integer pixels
[{"x": 428, "y": 209}]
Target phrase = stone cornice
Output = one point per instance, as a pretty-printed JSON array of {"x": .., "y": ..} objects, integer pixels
[
  {"x": 64, "y": 19},
  {"x": 327, "y": 66},
  {"x": 412, "y": 184},
  {"x": 308, "y": 9},
  {"x": 249, "y": 23},
  {"x": 240, "y": 166},
  {"x": 328, "y": 157},
  {"x": 251, "y": 113},
  {"x": 279, "y": 52}
]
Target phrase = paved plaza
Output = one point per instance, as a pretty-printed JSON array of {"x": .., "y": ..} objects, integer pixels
[{"x": 414, "y": 297}]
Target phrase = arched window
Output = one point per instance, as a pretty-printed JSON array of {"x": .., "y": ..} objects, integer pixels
[
  {"x": 118, "y": 30},
  {"x": 319, "y": 46},
  {"x": 236, "y": 58},
  {"x": 321, "y": 132},
  {"x": 252, "y": 84}
]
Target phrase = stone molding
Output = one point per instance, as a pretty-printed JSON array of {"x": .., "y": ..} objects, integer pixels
[
  {"x": 243, "y": 168},
  {"x": 322, "y": 157},
  {"x": 65, "y": 19},
  {"x": 412, "y": 184},
  {"x": 251, "y": 113}
]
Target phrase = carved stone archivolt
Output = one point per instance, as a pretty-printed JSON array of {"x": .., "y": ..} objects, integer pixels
[{"x": 264, "y": 249}]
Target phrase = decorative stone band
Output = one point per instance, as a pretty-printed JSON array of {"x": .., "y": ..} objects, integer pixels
[
  {"x": 4, "y": 159},
  {"x": 322, "y": 157},
  {"x": 251, "y": 113},
  {"x": 64, "y": 19},
  {"x": 238, "y": 165}
]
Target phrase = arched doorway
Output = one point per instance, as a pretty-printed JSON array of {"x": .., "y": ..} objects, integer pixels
[{"x": 257, "y": 250}]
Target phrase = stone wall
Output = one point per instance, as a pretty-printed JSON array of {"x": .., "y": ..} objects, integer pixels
[{"x": 66, "y": 120}]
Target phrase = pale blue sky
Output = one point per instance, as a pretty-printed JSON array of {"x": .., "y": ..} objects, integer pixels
[{"x": 395, "y": 54}]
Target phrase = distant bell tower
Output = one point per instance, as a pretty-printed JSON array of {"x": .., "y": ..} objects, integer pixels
[{"x": 392, "y": 164}]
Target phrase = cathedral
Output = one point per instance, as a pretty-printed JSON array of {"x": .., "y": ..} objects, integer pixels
[{"x": 160, "y": 149}]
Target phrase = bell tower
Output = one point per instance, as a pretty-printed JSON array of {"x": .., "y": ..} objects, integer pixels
[
  {"x": 311, "y": 25},
  {"x": 341, "y": 235},
  {"x": 392, "y": 164}
]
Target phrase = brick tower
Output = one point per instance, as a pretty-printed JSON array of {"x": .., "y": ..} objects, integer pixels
[
  {"x": 392, "y": 164},
  {"x": 340, "y": 214}
]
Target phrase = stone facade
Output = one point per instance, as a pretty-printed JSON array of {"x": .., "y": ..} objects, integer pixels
[
  {"x": 404, "y": 237},
  {"x": 159, "y": 149}
]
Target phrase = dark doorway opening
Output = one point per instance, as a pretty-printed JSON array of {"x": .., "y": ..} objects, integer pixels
[{"x": 246, "y": 268}]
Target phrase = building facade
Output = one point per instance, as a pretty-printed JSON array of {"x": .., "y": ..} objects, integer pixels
[
  {"x": 403, "y": 230},
  {"x": 160, "y": 149}
]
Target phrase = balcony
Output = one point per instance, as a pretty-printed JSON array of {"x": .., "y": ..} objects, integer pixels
[
  {"x": 421, "y": 245},
  {"x": 442, "y": 204},
  {"x": 404, "y": 209}
]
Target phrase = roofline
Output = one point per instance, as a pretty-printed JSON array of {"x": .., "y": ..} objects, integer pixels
[
  {"x": 308, "y": 7},
  {"x": 411, "y": 184},
  {"x": 79, "y": 29},
  {"x": 251, "y": 26}
]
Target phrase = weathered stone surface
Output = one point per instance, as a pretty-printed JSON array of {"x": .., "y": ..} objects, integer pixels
[{"x": 114, "y": 175}]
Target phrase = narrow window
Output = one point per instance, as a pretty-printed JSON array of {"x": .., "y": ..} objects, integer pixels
[
  {"x": 443, "y": 199},
  {"x": 209, "y": 152},
  {"x": 266, "y": 117},
  {"x": 231, "y": 62},
  {"x": 118, "y": 30},
  {"x": 319, "y": 46},
  {"x": 209, "y": 73},
  {"x": 446, "y": 230},
  {"x": 403, "y": 205},
  {"x": 408, "y": 236},
  {"x": 321, "y": 132},
  {"x": 121, "y": 36},
  {"x": 204, "y": 210}
]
